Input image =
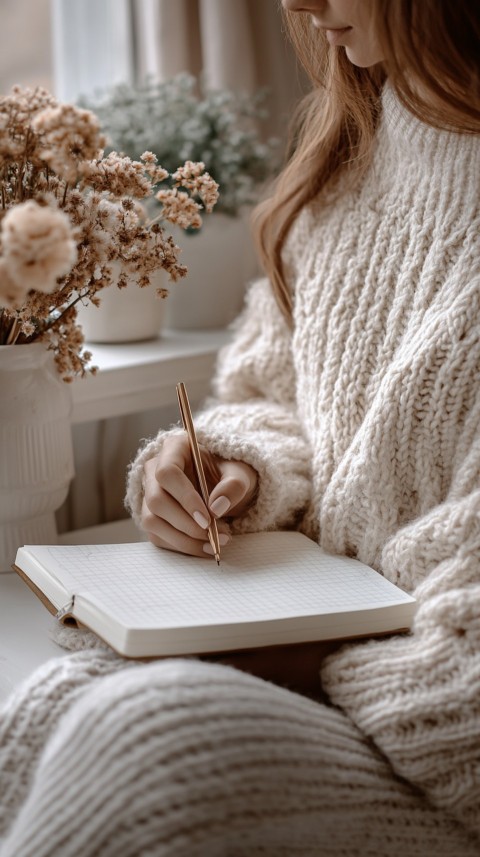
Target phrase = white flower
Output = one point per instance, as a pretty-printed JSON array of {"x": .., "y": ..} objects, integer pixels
[
  {"x": 38, "y": 246},
  {"x": 179, "y": 120}
]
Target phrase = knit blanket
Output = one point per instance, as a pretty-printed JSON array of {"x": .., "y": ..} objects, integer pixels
[{"x": 102, "y": 756}]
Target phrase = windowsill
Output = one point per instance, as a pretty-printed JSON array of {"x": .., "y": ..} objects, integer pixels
[{"x": 140, "y": 376}]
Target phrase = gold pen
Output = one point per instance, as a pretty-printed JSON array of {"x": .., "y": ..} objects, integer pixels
[{"x": 187, "y": 421}]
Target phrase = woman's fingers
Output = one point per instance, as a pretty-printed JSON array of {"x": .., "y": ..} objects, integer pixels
[
  {"x": 170, "y": 493},
  {"x": 164, "y": 535},
  {"x": 174, "y": 514},
  {"x": 235, "y": 490}
]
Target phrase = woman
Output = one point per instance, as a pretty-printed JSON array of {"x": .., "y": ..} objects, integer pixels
[{"x": 347, "y": 405}]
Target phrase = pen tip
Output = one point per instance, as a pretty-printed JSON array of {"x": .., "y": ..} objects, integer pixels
[{"x": 217, "y": 558}]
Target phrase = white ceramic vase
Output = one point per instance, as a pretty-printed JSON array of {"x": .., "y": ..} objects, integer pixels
[
  {"x": 36, "y": 447},
  {"x": 125, "y": 315},
  {"x": 220, "y": 261}
]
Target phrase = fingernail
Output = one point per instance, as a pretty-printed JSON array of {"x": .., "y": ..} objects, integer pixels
[
  {"x": 223, "y": 539},
  {"x": 208, "y": 548},
  {"x": 200, "y": 519},
  {"x": 220, "y": 506}
]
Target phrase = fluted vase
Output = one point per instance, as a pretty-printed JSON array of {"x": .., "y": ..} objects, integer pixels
[{"x": 36, "y": 447}]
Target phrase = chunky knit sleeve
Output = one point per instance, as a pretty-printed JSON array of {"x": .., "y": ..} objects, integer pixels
[
  {"x": 418, "y": 696},
  {"x": 252, "y": 417}
]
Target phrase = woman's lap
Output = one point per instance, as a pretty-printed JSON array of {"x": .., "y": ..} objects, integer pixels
[{"x": 182, "y": 757}]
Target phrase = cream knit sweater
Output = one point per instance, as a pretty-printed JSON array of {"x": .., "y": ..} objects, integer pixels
[{"x": 364, "y": 428}]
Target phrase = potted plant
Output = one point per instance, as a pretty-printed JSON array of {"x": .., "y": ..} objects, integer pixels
[
  {"x": 72, "y": 224},
  {"x": 181, "y": 118}
]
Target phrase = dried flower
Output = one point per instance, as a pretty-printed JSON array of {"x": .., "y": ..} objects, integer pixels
[
  {"x": 179, "y": 208},
  {"x": 70, "y": 136},
  {"x": 118, "y": 175},
  {"x": 72, "y": 224},
  {"x": 192, "y": 176},
  {"x": 38, "y": 246}
]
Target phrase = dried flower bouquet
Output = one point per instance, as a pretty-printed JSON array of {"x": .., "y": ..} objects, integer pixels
[{"x": 71, "y": 216}]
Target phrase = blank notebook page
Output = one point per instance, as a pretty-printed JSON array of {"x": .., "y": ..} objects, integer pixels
[{"x": 261, "y": 576}]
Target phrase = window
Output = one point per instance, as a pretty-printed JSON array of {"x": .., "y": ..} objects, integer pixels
[
  {"x": 92, "y": 45},
  {"x": 71, "y": 47}
]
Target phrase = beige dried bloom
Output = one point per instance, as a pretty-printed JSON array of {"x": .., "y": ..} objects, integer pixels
[
  {"x": 157, "y": 174},
  {"x": 38, "y": 246},
  {"x": 179, "y": 208},
  {"x": 28, "y": 328},
  {"x": 17, "y": 138},
  {"x": 118, "y": 175},
  {"x": 70, "y": 135},
  {"x": 72, "y": 222},
  {"x": 25, "y": 102},
  {"x": 193, "y": 176}
]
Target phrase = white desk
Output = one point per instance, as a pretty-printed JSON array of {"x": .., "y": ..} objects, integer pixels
[{"x": 132, "y": 378}]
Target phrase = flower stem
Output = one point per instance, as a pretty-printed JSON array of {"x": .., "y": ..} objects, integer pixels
[
  {"x": 14, "y": 332},
  {"x": 54, "y": 322}
]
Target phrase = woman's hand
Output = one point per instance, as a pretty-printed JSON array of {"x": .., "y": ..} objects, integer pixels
[{"x": 174, "y": 515}]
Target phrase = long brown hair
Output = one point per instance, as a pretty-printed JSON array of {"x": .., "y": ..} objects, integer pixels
[{"x": 432, "y": 49}]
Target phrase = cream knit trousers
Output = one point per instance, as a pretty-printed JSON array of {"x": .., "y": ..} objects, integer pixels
[{"x": 99, "y": 756}]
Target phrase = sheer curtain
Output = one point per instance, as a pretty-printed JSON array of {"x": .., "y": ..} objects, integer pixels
[{"x": 237, "y": 44}]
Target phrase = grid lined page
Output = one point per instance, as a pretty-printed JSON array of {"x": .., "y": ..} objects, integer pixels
[{"x": 262, "y": 576}]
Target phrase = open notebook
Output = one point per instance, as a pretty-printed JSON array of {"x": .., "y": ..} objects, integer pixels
[{"x": 270, "y": 589}]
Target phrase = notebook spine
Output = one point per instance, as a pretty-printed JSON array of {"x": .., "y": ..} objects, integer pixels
[{"x": 66, "y": 609}]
